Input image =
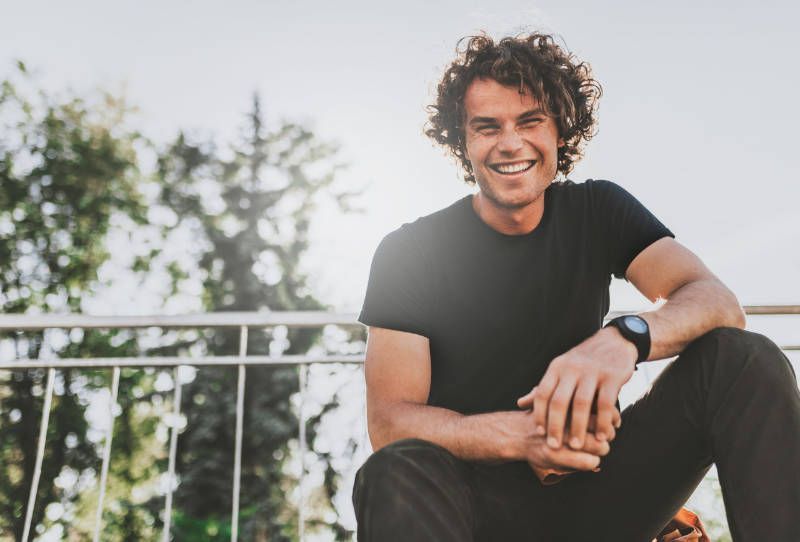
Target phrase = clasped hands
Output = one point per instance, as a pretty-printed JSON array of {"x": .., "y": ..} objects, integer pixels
[{"x": 574, "y": 417}]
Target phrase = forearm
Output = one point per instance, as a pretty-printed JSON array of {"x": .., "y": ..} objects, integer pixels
[
  {"x": 691, "y": 311},
  {"x": 496, "y": 436}
]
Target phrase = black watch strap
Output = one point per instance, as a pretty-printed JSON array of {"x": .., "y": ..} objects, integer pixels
[{"x": 635, "y": 329}]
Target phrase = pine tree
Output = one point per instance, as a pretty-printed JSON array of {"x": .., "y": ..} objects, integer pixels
[{"x": 250, "y": 210}]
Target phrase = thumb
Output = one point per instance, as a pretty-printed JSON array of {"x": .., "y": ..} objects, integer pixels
[{"x": 526, "y": 401}]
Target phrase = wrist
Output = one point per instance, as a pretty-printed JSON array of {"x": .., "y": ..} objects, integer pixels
[
  {"x": 631, "y": 352},
  {"x": 517, "y": 436},
  {"x": 635, "y": 330}
]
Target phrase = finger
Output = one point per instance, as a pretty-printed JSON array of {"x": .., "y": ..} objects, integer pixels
[
  {"x": 526, "y": 401},
  {"x": 617, "y": 418},
  {"x": 606, "y": 397},
  {"x": 591, "y": 428},
  {"x": 541, "y": 398},
  {"x": 557, "y": 410},
  {"x": 573, "y": 459},
  {"x": 595, "y": 446},
  {"x": 581, "y": 409}
]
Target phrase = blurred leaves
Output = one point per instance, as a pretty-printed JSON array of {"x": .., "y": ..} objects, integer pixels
[
  {"x": 231, "y": 230},
  {"x": 67, "y": 167}
]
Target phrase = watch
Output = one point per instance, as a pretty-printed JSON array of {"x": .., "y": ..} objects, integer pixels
[{"x": 635, "y": 329}]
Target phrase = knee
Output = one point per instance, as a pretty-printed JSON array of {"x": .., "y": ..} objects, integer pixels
[
  {"x": 403, "y": 464},
  {"x": 399, "y": 457},
  {"x": 740, "y": 351}
]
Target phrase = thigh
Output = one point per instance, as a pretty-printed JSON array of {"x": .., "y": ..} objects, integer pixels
[{"x": 658, "y": 458}]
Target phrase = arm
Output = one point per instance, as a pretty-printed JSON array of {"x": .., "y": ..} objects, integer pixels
[
  {"x": 398, "y": 373},
  {"x": 696, "y": 302}
]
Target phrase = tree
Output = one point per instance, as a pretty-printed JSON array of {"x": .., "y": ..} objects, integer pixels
[
  {"x": 249, "y": 211},
  {"x": 67, "y": 167}
]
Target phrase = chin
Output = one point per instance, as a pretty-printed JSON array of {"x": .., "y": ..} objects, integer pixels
[{"x": 511, "y": 201}]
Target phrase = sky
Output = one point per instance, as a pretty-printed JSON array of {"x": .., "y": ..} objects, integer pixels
[{"x": 697, "y": 119}]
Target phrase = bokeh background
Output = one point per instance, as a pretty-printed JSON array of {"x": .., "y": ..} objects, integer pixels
[{"x": 189, "y": 108}]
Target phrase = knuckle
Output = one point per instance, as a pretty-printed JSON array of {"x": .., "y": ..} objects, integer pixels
[
  {"x": 581, "y": 401},
  {"x": 605, "y": 402}
]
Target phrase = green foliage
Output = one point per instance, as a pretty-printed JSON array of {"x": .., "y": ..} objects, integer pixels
[
  {"x": 68, "y": 177},
  {"x": 67, "y": 167},
  {"x": 249, "y": 210}
]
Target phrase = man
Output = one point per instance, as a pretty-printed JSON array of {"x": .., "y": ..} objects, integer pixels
[{"x": 490, "y": 376}]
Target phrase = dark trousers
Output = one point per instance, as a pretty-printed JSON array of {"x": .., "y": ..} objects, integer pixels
[{"x": 730, "y": 398}]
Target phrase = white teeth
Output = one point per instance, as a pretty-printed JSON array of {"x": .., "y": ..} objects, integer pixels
[{"x": 513, "y": 168}]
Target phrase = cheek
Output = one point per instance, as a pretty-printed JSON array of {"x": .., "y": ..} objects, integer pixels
[{"x": 473, "y": 152}]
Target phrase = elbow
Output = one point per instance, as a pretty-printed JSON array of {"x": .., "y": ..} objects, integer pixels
[
  {"x": 377, "y": 429},
  {"x": 735, "y": 315},
  {"x": 738, "y": 317}
]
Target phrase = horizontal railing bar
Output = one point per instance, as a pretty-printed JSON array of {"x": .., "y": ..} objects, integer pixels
[
  {"x": 752, "y": 310},
  {"x": 15, "y": 322},
  {"x": 210, "y": 319},
  {"x": 172, "y": 361},
  {"x": 771, "y": 309},
  {"x": 201, "y": 361}
]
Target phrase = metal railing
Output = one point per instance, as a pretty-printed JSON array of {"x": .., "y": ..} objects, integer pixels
[{"x": 242, "y": 320}]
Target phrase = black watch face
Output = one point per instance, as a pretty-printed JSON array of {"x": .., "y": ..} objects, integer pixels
[{"x": 636, "y": 324}]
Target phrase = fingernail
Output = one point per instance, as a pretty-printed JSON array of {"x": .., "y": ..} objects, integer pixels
[
  {"x": 596, "y": 469},
  {"x": 540, "y": 430},
  {"x": 552, "y": 442},
  {"x": 575, "y": 442}
]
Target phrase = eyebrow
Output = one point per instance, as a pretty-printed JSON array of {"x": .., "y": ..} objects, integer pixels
[{"x": 526, "y": 115}]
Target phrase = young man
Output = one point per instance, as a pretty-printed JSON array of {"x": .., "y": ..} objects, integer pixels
[{"x": 490, "y": 376}]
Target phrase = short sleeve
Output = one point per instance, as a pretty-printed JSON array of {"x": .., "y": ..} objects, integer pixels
[
  {"x": 626, "y": 227},
  {"x": 397, "y": 294}
]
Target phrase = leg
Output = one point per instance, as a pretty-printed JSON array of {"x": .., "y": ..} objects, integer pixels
[
  {"x": 731, "y": 398},
  {"x": 413, "y": 490}
]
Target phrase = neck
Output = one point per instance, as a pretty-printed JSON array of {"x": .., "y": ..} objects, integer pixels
[{"x": 509, "y": 221}]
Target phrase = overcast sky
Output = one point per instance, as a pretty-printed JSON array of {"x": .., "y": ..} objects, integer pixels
[{"x": 698, "y": 118}]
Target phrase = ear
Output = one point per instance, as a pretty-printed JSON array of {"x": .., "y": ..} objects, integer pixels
[{"x": 561, "y": 142}]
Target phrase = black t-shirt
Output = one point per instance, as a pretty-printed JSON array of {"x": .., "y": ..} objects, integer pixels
[{"x": 498, "y": 308}]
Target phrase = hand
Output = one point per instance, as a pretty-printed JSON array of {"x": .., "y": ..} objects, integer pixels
[
  {"x": 596, "y": 368},
  {"x": 541, "y": 457}
]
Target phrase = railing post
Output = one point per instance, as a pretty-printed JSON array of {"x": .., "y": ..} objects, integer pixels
[
  {"x": 237, "y": 462},
  {"x": 301, "y": 516},
  {"x": 37, "y": 469},
  {"x": 173, "y": 448},
  {"x": 98, "y": 520}
]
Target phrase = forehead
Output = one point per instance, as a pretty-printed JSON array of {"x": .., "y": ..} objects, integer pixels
[{"x": 488, "y": 98}]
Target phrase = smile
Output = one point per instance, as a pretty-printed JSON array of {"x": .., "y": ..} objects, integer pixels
[{"x": 513, "y": 168}]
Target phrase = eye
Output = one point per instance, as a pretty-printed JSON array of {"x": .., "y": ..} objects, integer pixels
[
  {"x": 486, "y": 129},
  {"x": 533, "y": 121}
]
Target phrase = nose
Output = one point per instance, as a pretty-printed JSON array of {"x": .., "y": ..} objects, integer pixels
[{"x": 509, "y": 141}]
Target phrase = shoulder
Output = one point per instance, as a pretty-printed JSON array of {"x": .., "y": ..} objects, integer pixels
[
  {"x": 587, "y": 187},
  {"x": 429, "y": 230},
  {"x": 579, "y": 195},
  {"x": 595, "y": 193}
]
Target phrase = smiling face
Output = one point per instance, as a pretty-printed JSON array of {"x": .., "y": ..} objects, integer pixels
[{"x": 512, "y": 146}]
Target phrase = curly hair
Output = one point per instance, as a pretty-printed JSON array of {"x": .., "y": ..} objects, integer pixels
[{"x": 563, "y": 85}]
